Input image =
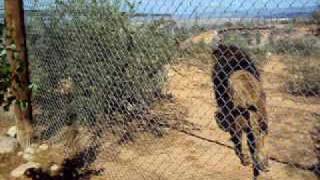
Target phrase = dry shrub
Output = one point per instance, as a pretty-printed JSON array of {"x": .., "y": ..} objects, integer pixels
[{"x": 304, "y": 77}]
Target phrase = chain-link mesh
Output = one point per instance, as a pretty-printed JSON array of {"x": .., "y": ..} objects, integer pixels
[{"x": 173, "y": 89}]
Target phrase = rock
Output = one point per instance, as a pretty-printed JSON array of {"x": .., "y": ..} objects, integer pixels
[
  {"x": 54, "y": 169},
  {"x": 29, "y": 150},
  {"x": 34, "y": 145},
  {"x": 28, "y": 157},
  {"x": 8, "y": 144},
  {"x": 20, "y": 153},
  {"x": 12, "y": 132},
  {"x": 19, "y": 171},
  {"x": 269, "y": 54},
  {"x": 43, "y": 147}
]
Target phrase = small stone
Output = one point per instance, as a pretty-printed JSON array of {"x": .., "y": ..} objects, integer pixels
[
  {"x": 19, "y": 171},
  {"x": 29, "y": 150},
  {"x": 269, "y": 54},
  {"x": 27, "y": 157},
  {"x": 54, "y": 169},
  {"x": 43, "y": 147},
  {"x": 166, "y": 130},
  {"x": 20, "y": 153},
  {"x": 12, "y": 132},
  {"x": 34, "y": 146},
  {"x": 8, "y": 144}
]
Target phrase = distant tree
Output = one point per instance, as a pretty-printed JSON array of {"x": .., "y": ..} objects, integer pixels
[
  {"x": 228, "y": 24},
  {"x": 316, "y": 19},
  {"x": 258, "y": 38},
  {"x": 316, "y": 16}
]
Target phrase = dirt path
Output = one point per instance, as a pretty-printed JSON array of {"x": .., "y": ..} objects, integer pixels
[
  {"x": 206, "y": 153},
  {"x": 181, "y": 156}
]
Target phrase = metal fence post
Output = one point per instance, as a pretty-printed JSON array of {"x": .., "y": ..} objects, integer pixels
[{"x": 18, "y": 59}]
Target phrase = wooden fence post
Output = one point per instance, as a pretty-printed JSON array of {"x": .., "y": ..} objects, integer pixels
[{"x": 18, "y": 59}]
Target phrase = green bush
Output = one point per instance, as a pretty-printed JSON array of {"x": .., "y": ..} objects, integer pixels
[
  {"x": 240, "y": 40},
  {"x": 258, "y": 38},
  {"x": 5, "y": 75},
  {"x": 245, "y": 41},
  {"x": 316, "y": 17},
  {"x": 306, "y": 46},
  {"x": 112, "y": 65}
]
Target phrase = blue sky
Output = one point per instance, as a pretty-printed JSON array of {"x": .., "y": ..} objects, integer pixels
[
  {"x": 206, "y": 6},
  {"x": 202, "y": 6}
]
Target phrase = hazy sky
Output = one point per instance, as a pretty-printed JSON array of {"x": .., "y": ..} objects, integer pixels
[{"x": 205, "y": 6}]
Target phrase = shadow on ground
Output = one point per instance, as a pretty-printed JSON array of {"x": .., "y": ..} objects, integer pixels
[{"x": 74, "y": 168}]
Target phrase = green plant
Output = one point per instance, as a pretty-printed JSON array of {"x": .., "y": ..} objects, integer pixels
[
  {"x": 290, "y": 28},
  {"x": 99, "y": 63},
  {"x": 316, "y": 16},
  {"x": 5, "y": 76},
  {"x": 258, "y": 38},
  {"x": 240, "y": 40}
]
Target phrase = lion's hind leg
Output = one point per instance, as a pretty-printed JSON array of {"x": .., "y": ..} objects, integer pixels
[
  {"x": 256, "y": 137},
  {"x": 236, "y": 132}
]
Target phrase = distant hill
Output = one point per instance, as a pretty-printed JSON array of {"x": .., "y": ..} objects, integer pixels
[
  {"x": 256, "y": 13},
  {"x": 265, "y": 13},
  {"x": 291, "y": 12}
]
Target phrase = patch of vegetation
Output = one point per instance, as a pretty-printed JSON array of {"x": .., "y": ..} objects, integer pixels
[
  {"x": 195, "y": 53},
  {"x": 200, "y": 51},
  {"x": 240, "y": 40},
  {"x": 89, "y": 59},
  {"x": 316, "y": 16},
  {"x": 5, "y": 74},
  {"x": 306, "y": 46},
  {"x": 258, "y": 38},
  {"x": 304, "y": 77},
  {"x": 250, "y": 42}
]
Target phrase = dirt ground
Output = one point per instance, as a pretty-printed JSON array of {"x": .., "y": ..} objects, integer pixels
[
  {"x": 205, "y": 155},
  {"x": 204, "y": 152}
]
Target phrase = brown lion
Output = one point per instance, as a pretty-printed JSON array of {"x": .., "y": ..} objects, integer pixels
[{"x": 241, "y": 103}]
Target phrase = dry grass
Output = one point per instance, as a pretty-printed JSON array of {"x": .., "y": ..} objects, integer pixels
[{"x": 304, "y": 78}]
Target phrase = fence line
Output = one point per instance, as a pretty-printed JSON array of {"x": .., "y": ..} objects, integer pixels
[{"x": 164, "y": 89}]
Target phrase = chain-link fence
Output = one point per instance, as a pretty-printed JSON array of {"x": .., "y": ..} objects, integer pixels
[{"x": 174, "y": 89}]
